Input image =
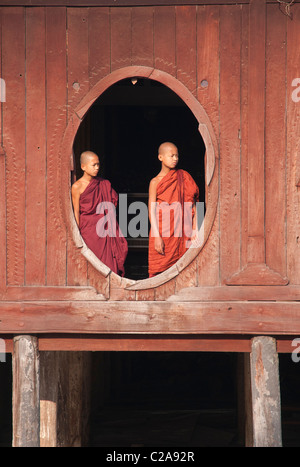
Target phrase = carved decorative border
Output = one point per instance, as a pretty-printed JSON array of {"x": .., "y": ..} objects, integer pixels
[{"x": 211, "y": 177}]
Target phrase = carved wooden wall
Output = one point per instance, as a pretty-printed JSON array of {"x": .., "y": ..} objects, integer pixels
[{"x": 53, "y": 57}]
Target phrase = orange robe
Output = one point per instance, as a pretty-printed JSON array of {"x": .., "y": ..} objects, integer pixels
[{"x": 175, "y": 195}]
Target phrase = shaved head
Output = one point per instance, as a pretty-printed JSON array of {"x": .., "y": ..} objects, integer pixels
[
  {"x": 166, "y": 146},
  {"x": 86, "y": 156}
]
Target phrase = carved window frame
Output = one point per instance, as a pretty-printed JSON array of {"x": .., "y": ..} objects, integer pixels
[{"x": 211, "y": 167}]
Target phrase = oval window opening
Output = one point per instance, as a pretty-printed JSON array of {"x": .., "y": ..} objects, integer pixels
[{"x": 124, "y": 127}]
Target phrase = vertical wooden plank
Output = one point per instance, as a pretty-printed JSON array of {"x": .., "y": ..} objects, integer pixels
[
  {"x": 120, "y": 20},
  {"x": 256, "y": 270},
  {"x": 2, "y": 186},
  {"x": 78, "y": 53},
  {"x": 65, "y": 398},
  {"x": 256, "y": 128},
  {"x": 230, "y": 56},
  {"x": 56, "y": 115},
  {"x": 293, "y": 148},
  {"x": 142, "y": 36},
  {"x": 186, "y": 46},
  {"x": 208, "y": 61},
  {"x": 78, "y": 72},
  {"x": 35, "y": 232},
  {"x": 2, "y": 221},
  {"x": 164, "y": 39},
  {"x": 208, "y": 90},
  {"x": 244, "y": 134},
  {"x": 99, "y": 43},
  {"x": 275, "y": 145},
  {"x": 265, "y": 392},
  {"x": 13, "y": 72},
  {"x": 26, "y": 407},
  {"x": 48, "y": 398}
]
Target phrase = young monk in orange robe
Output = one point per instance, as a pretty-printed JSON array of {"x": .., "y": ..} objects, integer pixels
[
  {"x": 172, "y": 198},
  {"x": 94, "y": 201}
]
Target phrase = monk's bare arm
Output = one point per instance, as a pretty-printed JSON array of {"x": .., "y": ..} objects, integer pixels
[
  {"x": 158, "y": 241},
  {"x": 75, "y": 191}
]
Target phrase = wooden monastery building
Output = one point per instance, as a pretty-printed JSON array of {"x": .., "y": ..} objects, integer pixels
[{"x": 219, "y": 78}]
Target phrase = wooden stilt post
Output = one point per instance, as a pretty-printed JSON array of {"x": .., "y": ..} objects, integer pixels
[
  {"x": 64, "y": 399},
  {"x": 26, "y": 409},
  {"x": 49, "y": 382},
  {"x": 265, "y": 395}
]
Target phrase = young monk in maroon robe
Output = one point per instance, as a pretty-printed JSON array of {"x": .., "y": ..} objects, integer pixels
[
  {"x": 94, "y": 203},
  {"x": 172, "y": 198}
]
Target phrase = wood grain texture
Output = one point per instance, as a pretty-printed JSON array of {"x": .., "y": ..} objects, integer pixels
[
  {"x": 78, "y": 83},
  {"x": 293, "y": 150},
  {"x": 81, "y": 52},
  {"x": 120, "y": 37},
  {"x": 142, "y": 36},
  {"x": 26, "y": 413},
  {"x": 186, "y": 50},
  {"x": 56, "y": 60},
  {"x": 256, "y": 125},
  {"x": 158, "y": 317},
  {"x": 275, "y": 144},
  {"x": 164, "y": 39},
  {"x": 265, "y": 391},
  {"x": 35, "y": 225},
  {"x": 99, "y": 43},
  {"x": 230, "y": 184},
  {"x": 14, "y": 133}
]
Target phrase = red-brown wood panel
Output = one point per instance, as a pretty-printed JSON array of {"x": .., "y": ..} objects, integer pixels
[
  {"x": 78, "y": 54},
  {"x": 13, "y": 72},
  {"x": 275, "y": 145},
  {"x": 142, "y": 36},
  {"x": 186, "y": 50},
  {"x": 99, "y": 43},
  {"x": 120, "y": 21},
  {"x": 2, "y": 190},
  {"x": 244, "y": 134},
  {"x": 293, "y": 147},
  {"x": 56, "y": 120},
  {"x": 78, "y": 69},
  {"x": 35, "y": 232},
  {"x": 256, "y": 132},
  {"x": 2, "y": 222},
  {"x": 164, "y": 39},
  {"x": 208, "y": 65},
  {"x": 230, "y": 196}
]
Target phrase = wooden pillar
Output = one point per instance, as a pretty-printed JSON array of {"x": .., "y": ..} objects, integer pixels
[
  {"x": 263, "y": 408},
  {"x": 26, "y": 408},
  {"x": 64, "y": 398}
]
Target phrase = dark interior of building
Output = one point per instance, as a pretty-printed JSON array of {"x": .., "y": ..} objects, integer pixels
[{"x": 165, "y": 399}]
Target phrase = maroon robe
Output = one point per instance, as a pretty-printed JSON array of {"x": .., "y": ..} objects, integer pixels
[{"x": 98, "y": 225}]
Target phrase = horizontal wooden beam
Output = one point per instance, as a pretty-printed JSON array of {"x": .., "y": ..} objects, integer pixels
[
  {"x": 160, "y": 317},
  {"x": 151, "y": 343},
  {"x": 29, "y": 293},
  {"x": 116, "y": 3},
  {"x": 238, "y": 293},
  {"x": 119, "y": 3},
  {"x": 193, "y": 294}
]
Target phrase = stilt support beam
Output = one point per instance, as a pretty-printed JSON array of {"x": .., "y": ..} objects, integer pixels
[
  {"x": 26, "y": 404},
  {"x": 265, "y": 394}
]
